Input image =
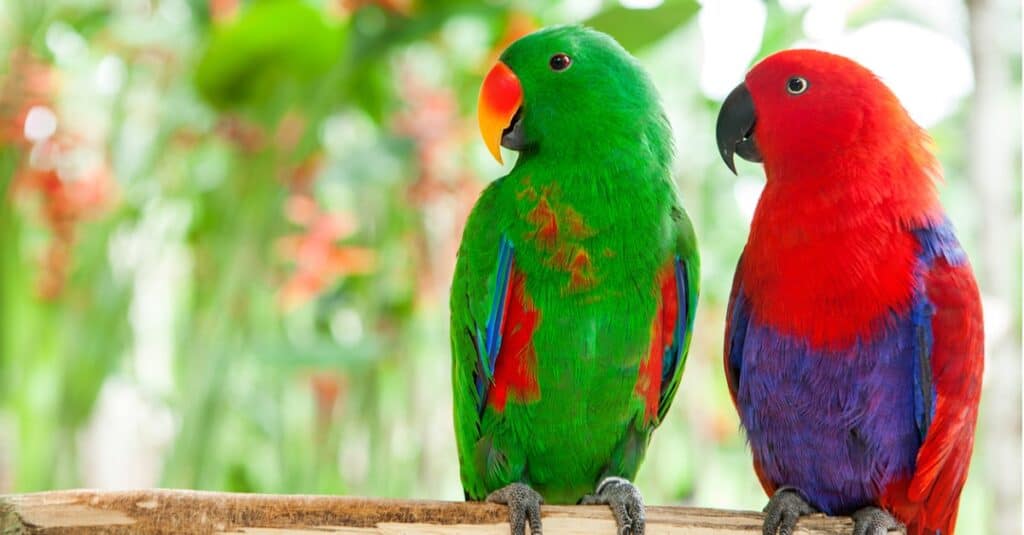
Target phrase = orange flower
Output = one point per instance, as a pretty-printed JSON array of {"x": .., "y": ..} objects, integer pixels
[
  {"x": 327, "y": 387},
  {"x": 29, "y": 82},
  {"x": 402, "y": 7},
  {"x": 62, "y": 205},
  {"x": 223, "y": 10},
  {"x": 318, "y": 258}
]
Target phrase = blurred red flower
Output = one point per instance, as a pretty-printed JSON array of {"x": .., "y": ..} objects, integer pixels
[
  {"x": 223, "y": 10},
  {"x": 62, "y": 202},
  {"x": 319, "y": 260}
]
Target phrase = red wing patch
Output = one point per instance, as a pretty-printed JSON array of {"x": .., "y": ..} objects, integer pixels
[
  {"x": 663, "y": 327},
  {"x": 928, "y": 502},
  {"x": 515, "y": 373}
]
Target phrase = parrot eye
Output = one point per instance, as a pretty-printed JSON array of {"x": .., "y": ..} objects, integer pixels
[
  {"x": 560, "y": 62},
  {"x": 796, "y": 85}
]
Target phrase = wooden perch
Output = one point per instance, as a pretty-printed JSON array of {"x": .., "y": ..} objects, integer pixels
[{"x": 184, "y": 511}]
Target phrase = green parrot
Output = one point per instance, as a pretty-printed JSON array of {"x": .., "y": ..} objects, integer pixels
[{"x": 574, "y": 293}]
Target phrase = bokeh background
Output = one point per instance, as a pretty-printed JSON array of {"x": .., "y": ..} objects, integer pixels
[{"x": 228, "y": 228}]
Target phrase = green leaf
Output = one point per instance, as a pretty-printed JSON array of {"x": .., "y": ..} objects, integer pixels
[
  {"x": 636, "y": 29},
  {"x": 274, "y": 45}
]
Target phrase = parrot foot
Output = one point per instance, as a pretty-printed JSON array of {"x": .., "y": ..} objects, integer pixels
[
  {"x": 784, "y": 508},
  {"x": 626, "y": 502},
  {"x": 874, "y": 521},
  {"x": 523, "y": 505}
]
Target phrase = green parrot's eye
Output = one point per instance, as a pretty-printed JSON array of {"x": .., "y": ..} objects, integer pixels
[
  {"x": 560, "y": 62},
  {"x": 796, "y": 85}
]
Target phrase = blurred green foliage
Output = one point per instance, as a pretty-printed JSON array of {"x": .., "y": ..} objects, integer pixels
[
  {"x": 227, "y": 266},
  {"x": 272, "y": 46}
]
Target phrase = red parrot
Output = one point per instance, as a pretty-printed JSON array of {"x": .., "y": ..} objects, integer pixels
[{"x": 854, "y": 343}]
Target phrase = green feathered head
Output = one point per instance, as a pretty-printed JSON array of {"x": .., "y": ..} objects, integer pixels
[{"x": 571, "y": 93}]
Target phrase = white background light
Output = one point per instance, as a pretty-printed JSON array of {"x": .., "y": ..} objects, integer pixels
[
  {"x": 40, "y": 123},
  {"x": 641, "y": 4},
  {"x": 730, "y": 43}
]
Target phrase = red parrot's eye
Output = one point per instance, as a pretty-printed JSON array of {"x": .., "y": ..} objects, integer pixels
[
  {"x": 796, "y": 85},
  {"x": 560, "y": 62}
]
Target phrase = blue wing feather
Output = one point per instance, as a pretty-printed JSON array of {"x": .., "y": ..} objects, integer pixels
[
  {"x": 937, "y": 241},
  {"x": 924, "y": 387},
  {"x": 488, "y": 341},
  {"x": 674, "y": 352},
  {"x": 940, "y": 240},
  {"x": 737, "y": 319}
]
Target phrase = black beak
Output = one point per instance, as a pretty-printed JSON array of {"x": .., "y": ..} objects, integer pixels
[
  {"x": 735, "y": 128},
  {"x": 513, "y": 136}
]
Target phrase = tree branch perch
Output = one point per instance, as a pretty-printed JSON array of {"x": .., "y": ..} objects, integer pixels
[{"x": 160, "y": 511}]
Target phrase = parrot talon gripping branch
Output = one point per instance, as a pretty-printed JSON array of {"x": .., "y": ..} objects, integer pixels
[{"x": 540, "y": 415}]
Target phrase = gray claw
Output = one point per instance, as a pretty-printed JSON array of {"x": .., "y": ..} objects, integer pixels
[
  {"x": 523, "y": 505},
  {"x": 625, "y": 501},
  {"x": 874, "y": 521},
  {"x": 784, "y": 508}
]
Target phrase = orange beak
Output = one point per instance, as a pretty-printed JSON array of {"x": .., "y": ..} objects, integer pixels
[{"x": 500, "y": 98}]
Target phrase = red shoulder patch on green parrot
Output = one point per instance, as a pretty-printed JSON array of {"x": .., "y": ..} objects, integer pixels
[
  {"x": 663, "y": 333},
  {"x": 515, "y": 373}
]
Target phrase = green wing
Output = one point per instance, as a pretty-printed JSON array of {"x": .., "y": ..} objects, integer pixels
[
  {"x": 626, "y": 459},
  {"x": 473, "y": 286}
]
